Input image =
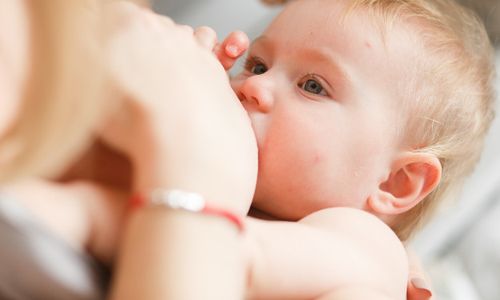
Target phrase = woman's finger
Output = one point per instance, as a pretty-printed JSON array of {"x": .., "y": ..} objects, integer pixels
[
  {"x": 418, "y": 284},
  {"x": 418, "y": 289}
]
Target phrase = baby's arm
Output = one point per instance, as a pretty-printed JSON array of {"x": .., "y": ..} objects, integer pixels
[{"x": 336, "y": 253}]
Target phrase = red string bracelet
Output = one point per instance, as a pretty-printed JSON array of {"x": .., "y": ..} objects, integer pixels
[{"x": 187, "y": 201}]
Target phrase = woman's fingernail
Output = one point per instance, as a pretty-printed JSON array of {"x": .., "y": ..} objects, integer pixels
[
  {"x": 421, "y": 284},
  {"x": 232, "y": 50}
]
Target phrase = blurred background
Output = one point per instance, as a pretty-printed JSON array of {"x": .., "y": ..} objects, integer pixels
[{"x": 460, "y": 248}]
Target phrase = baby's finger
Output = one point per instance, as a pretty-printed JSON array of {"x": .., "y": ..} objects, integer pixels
[
  {"x": 233, "y": 47},
  {"x": 235, "y": 44},
  {"x": 206, "y": 37}
]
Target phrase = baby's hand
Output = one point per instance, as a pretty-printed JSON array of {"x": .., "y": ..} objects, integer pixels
[{"x": 232, "y": 48}]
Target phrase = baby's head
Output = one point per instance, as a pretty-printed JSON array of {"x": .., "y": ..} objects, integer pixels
[{"x": 376, "y": 105}]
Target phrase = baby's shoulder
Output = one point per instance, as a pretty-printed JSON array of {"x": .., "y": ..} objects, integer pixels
[
  {"x": 350, "y": 220},
  {"x": 374, "y": 244}
]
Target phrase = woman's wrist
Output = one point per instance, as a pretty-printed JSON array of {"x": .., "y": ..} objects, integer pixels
[
  {"x": 200, "y": 250},
  {"x": 179, "y": 200}
]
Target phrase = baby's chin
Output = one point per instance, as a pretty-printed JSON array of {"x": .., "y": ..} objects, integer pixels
[{"x": 264, "y": 212}]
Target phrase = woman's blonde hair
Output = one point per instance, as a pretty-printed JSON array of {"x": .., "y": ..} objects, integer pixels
[
  {"x": 61, "y": 104},
  {"x": 449, "y": 104}
]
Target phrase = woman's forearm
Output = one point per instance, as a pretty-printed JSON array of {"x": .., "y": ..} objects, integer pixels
[{"x": 169, "y": 254}]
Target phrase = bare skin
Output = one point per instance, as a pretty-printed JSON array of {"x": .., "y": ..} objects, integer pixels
[{"x": 377, "y": 272}]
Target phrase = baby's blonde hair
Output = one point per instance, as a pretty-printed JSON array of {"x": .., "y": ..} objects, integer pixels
[{"x": 449, "y": 104}]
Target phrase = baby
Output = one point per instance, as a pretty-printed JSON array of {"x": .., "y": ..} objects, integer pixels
[
  {"x": 367, "y": 114},
  {"x": 380, "y": 107}
]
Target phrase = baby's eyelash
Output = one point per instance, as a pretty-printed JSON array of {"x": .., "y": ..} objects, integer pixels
[
  {"x": 324, "y": 84},
  {"x": 251, "y": 61}
]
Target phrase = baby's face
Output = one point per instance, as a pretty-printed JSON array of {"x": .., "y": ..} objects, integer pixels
[{"x": 323, "y": 104}]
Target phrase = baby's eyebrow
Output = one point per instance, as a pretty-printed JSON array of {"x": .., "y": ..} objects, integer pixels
[
  {"x": 260, "y": 40},
  {"x": 325, "y": 55}
]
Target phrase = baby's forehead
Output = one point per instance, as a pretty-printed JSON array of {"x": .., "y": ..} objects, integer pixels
[
  {"x": 314, "y": 21},
  {"x": 322, "y": 25},
  {"x": 361, "y": 45}
]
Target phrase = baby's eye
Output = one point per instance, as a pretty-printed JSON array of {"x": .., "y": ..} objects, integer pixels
[
  {"x": 255, "y": 65},
  {"x": 259, "y": 69},
  {"x": 313, "y": 86}
]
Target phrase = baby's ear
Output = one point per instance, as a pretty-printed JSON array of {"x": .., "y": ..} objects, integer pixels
[{"x": 413, "y": 177}]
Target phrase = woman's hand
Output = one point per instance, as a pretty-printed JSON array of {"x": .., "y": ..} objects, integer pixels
[
  {"x": 418, "y": 286},
  {"x": 181, "y": 123}
]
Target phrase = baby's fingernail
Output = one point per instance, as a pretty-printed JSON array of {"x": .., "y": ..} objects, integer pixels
[
  {"x": 232, "y": 50},
  {"x": 421, "y": 284}
]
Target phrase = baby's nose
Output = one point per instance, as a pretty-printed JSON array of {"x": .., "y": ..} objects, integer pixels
[{"x": 255, "y": 92}]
